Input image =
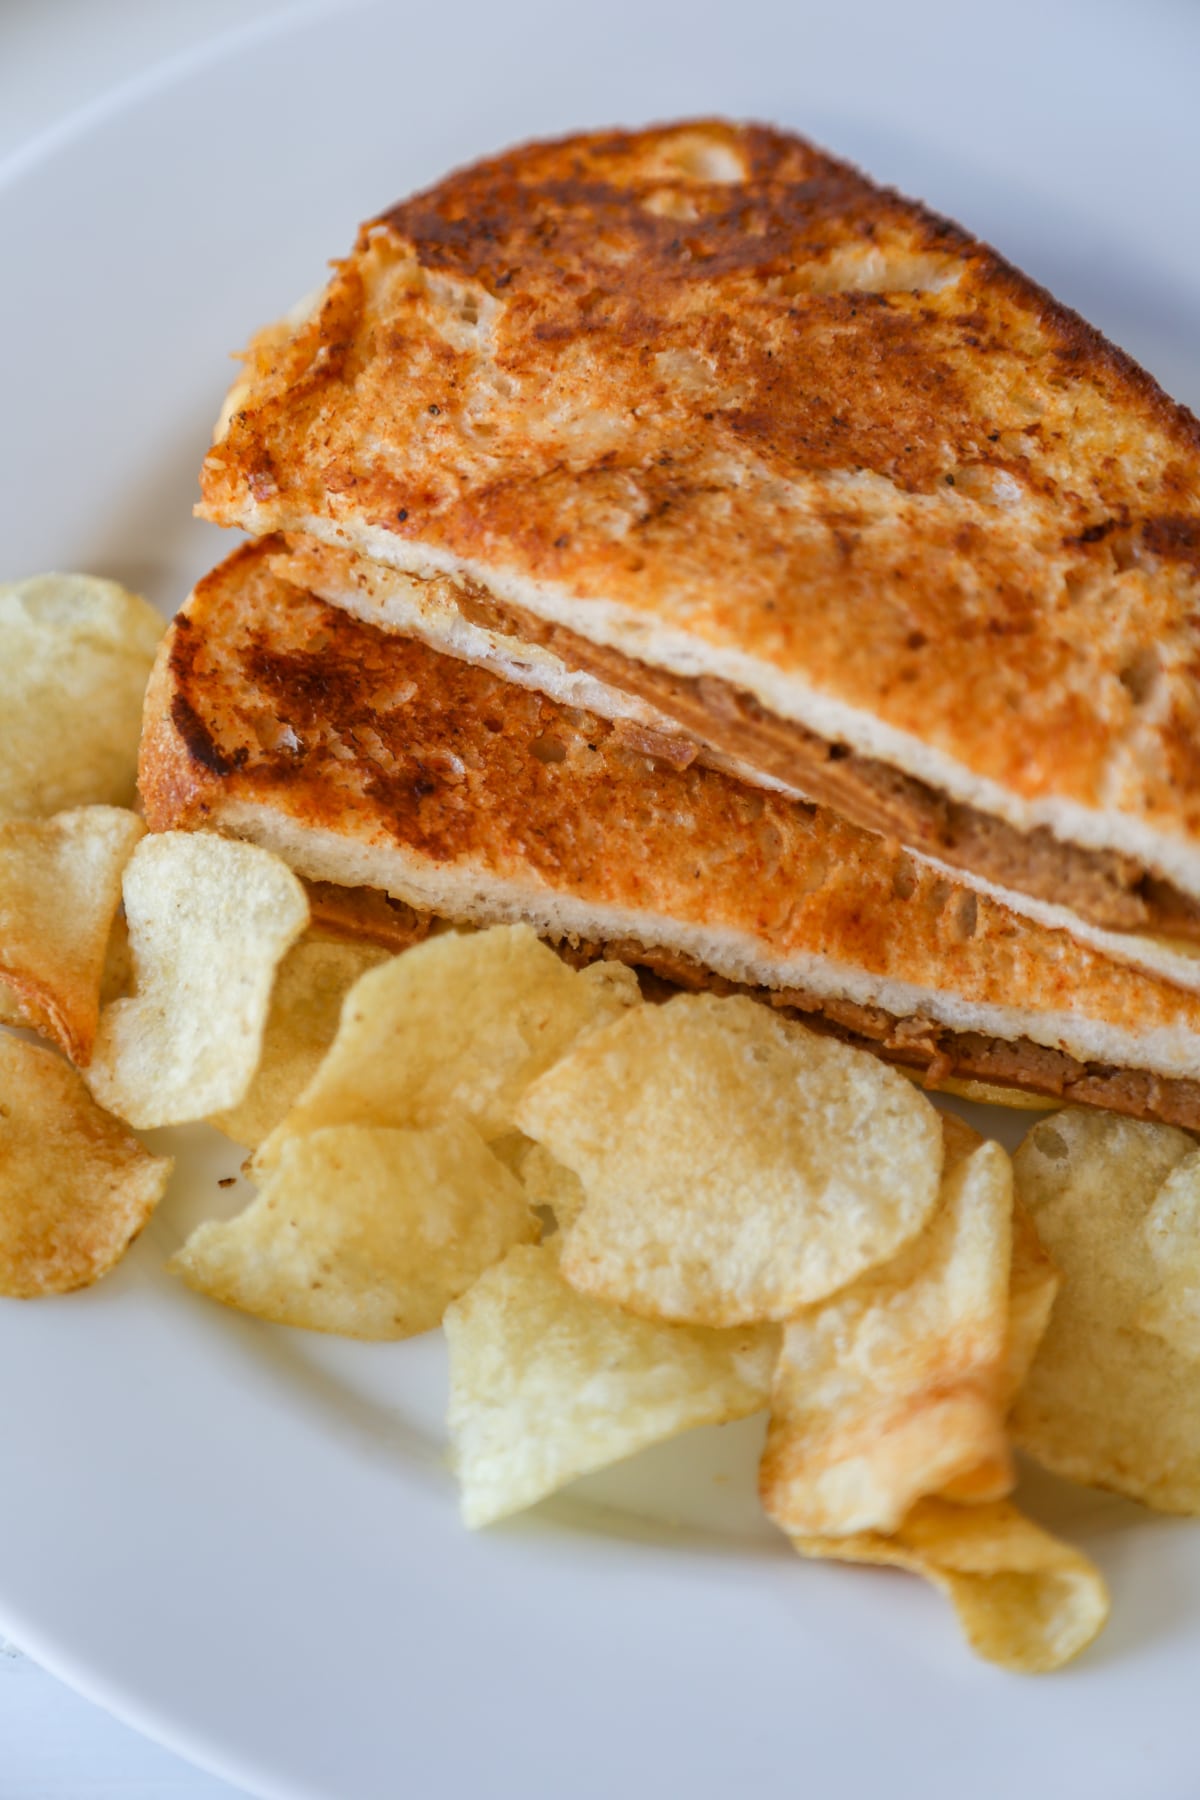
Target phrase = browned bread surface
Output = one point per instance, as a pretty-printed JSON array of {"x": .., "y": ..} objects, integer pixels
[
  {"x": 268, "y": 703},
  {"x": 720, "y": 378}
]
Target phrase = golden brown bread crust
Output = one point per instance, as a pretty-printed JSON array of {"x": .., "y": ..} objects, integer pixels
[
  {"x": 265, "y": 695},
  {"x": 791, "y": 415},
  {"x": 1111, "y": 890}
]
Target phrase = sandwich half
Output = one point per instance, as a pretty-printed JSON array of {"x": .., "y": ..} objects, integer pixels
[
  {"x": 698, "y": 427},
  {"x": 368, "y": 760}
]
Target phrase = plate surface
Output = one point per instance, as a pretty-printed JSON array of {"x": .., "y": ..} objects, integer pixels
[{"x": 244, "y": 1540}]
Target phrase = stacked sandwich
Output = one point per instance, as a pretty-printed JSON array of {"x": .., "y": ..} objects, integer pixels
[{"x": 677, "y": 542}]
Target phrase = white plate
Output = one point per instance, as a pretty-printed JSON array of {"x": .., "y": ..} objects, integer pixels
[{"x": 244, "y": 1540}]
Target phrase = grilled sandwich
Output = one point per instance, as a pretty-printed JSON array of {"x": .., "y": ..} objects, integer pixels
[
  {"x": 368, "y": 760},
  {"x": 699, "y": 428}
]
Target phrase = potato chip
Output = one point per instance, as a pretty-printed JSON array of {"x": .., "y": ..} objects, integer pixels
[
  {"x": 75, "y": 1186},
  {"x": 1033, "y": 1284},
  {"x": 60, "y": 887},
  {"x": 11, "y": 1011},
  {"x": 77, "y": 656},
  {"x": 459, "y": 1025},
  {"x": 891, "y": 1389},
  {"x": 306, "y": 1004},
  {"x": 209, "y": 919},
  {"x": 363, "y": 1231},
  {"x": 116, "y": 981},
  {"x": 1172, "y": 1230},
  {"x": 551, "y": 1185},
  {"x": 1024, "y": 1599},
  {"x": 547, "y": 1384},
  {"x": 1106, "y": 1402},
  {"x": 735, "y": 1165}
]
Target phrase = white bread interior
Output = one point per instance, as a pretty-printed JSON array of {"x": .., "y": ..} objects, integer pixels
[{"x": 466, "y": 893}]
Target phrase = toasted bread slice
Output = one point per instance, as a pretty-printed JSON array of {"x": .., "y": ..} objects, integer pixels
[
  {"x": 1098, "y": 896},
  {"x": 711, "y": 402},
  {"x": 366, "y": 759}
]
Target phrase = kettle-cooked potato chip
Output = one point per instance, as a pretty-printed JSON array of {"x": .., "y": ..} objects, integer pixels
[
  {"x": 1106, "y": 1402},
  {"x": 890, "y": 1390},
  {"x": 209, "y": 920},
  {"x": 1172, "y": 1229},
  {"x": 363, "y": 1231},
  {"x": 115, "y": 983},
  {"x": 77, "y": 656},
  {"x": 306, "y": 1004},
  {"x": 1033, "y": 1284},
  {"x": 546, "y": 1384},
  {"x": 11, "y": 1011},
  {"x": 60, "y": 887},
  {"x": 551, "y": 1185},
  {"x": 76, "y": 1187},
  {"x": 458, "y": 1025},
  {"x": 735, "y": 1165},
  {"x": 1024, "y": 1599}
]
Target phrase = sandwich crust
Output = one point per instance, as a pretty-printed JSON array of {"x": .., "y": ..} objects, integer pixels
[
  {"x": 367, "y": 758},
  {"x": 708, "y": 396}
]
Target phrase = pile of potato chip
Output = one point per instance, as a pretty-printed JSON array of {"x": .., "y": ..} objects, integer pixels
[
  {"x": 76, "y": 1186},
  {"x": 632, "y": 1218}
]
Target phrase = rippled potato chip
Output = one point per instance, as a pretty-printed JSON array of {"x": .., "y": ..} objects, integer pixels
[
  {"x": 60, "y": 887},
  {"x": 1172, "y": 1229},
  {"x": 209, "y": 919},
  {"x": 890, "y": 1390},
  {"x": 458, "y": 1025},
  {"x": 306, "y": 1004},
  {"x": 547, "y": 1384},
  {"x": 75, "y": 1186},
  {"x": 363, "y": 1231},
  {"x": 1024, "y": 1599},
  {"x": 77, "y": 656},
  {"x": 1106, "y": 1402},
  {"x": 735, "y": 1165}
]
